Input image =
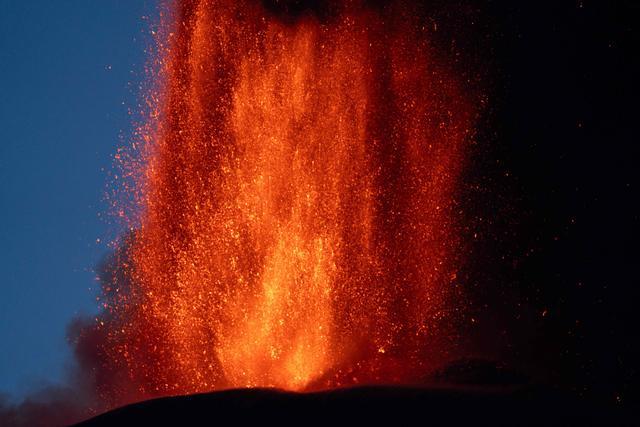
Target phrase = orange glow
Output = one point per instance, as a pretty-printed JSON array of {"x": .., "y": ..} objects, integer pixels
[{"x": 297, "y": 197}]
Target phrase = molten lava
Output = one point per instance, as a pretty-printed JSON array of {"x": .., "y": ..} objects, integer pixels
[{"x": 296, "y": 223}]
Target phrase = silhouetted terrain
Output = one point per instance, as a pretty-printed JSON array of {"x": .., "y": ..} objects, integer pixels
[{"x": 370, "y": 405}]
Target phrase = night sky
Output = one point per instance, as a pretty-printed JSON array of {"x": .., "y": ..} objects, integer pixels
[
  {"x": 562, "y": 165},
  {"x": 68, "y": 73}
]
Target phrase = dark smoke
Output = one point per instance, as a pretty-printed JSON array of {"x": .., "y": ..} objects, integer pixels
[
  {"x": 51, "y": 406},
  {"x": 80, "y": 397}
]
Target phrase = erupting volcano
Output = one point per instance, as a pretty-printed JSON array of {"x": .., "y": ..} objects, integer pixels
[{"x": 297, "y": 220}]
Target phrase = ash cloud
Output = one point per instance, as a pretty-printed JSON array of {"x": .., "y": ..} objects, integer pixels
[
  {"x": 50, "y": 406},
  {"x": 79, "y": 397}
]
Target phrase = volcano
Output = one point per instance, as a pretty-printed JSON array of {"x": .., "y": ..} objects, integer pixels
[{"x": 381, "y": 405}]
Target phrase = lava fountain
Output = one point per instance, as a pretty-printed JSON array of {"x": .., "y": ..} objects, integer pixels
[{"x": 296, "y": 192}]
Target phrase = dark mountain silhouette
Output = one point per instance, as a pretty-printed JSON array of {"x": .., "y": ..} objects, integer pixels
[
  {"x": 369, "y": 405},
  {"x": 466, "y": 392}
]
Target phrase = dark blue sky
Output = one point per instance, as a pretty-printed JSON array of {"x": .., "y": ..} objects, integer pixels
[{"x": 68, "y": 73}]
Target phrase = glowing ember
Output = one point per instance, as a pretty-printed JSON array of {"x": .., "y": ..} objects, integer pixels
[{"x": 296, "y": 200}]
